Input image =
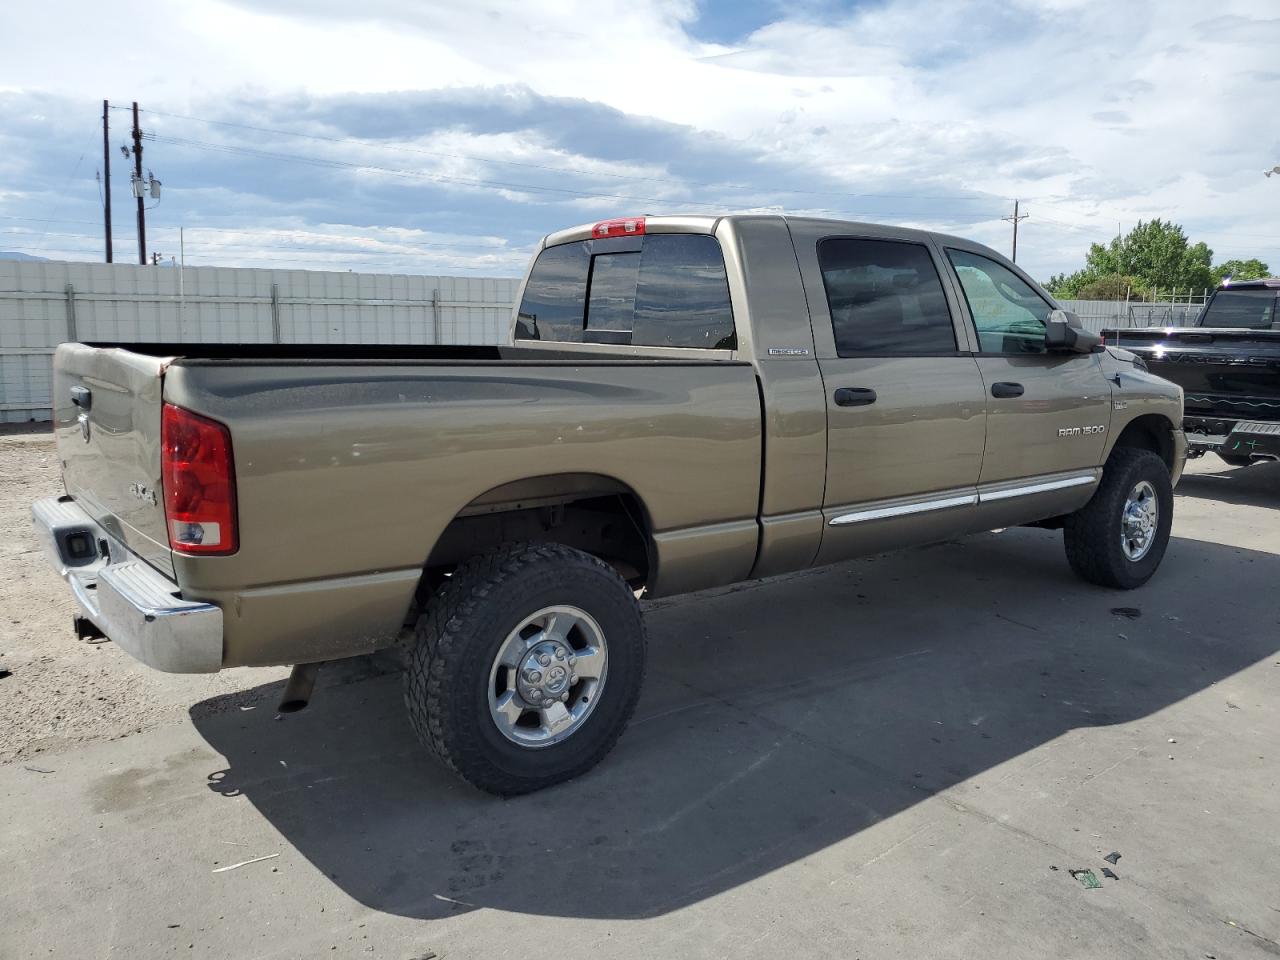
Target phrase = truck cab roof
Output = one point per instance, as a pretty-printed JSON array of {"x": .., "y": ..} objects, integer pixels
[{"x": 707, "y": 224}]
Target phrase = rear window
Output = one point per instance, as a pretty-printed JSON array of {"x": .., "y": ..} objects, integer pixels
[
  {"x": 1253, "y": 309},
  {"x": 660, "y": 290}
]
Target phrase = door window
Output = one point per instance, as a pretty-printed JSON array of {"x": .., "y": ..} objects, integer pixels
[
  {"x": 885, "y": 297},
  {"x": 1008, "y": 314},
  {"x": 666, "y": 290}
]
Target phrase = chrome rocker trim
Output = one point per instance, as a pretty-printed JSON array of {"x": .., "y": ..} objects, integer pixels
[{"x": 965, "y": 500}]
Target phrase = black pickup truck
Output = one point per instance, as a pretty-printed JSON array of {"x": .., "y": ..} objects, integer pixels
[{"x": 1228, "y": 365}]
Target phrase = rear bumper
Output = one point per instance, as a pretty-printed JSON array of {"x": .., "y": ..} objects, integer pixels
[
  {"x": 131, "y": 602},
  {"x": 1258, "y": 440}
]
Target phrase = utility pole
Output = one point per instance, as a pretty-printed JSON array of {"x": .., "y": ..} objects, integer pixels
[
  {"x": 106, "y": 177},
  {"x": 137, "y": 187},
  {"x": 1014, "y": 220}
]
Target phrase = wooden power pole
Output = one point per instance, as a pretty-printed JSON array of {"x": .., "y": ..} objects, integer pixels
[
  {"x": 138, "y": 187},
  {"x": 1014, "y": 219},
  {"x": 106, "y": 177}
]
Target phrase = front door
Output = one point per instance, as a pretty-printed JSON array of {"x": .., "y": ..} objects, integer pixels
[
  {"x": 1047, "y": 413},
  {"x": 905, "y": 405}
]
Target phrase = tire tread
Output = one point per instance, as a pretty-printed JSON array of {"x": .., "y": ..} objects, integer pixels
[{"x": 440, "y": 635}]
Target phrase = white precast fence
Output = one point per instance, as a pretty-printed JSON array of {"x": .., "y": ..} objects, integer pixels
[{"x": 45, "y": 303}]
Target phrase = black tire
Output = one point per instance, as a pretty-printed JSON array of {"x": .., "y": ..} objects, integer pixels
[
  {"x": 1235, "y": 460},
  {"x": 1093, "y": 533},
  {"x": 458, "y": 637}
]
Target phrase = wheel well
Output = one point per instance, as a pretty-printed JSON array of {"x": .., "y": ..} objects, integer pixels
[
  {"x": 1149, "y": 432},
  {"x": 596, "y": 514}
]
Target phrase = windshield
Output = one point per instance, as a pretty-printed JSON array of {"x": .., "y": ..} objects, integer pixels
[{"x": 1240, "y": 308}]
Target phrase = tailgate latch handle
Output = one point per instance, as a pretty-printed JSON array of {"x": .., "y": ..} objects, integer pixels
[{"x": 82, "y": 397}]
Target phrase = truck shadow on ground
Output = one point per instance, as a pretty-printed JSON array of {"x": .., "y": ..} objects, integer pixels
[
  {"x": 778, "y": 719},
  {"x": 1257, "y": 485}
]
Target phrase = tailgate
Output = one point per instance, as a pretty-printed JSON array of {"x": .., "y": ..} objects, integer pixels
[
  {"x": 106, "y": 411},
  {"x": 1235, "y": 368}
]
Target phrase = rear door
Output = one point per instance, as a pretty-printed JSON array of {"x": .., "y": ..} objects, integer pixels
[
  {"x": 106, "y": 409},
  {"x": 1047, "y": 413},
  {"x": 905, "y": 406}
]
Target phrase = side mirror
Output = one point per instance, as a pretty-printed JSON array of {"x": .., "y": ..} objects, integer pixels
[{"x": 1064, "y": 333}]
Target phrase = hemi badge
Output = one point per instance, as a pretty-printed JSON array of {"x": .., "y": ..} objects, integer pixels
[{"x": 788, "y": 352}]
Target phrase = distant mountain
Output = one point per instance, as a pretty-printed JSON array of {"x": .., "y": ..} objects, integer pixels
[{"x": 15, "y": 255}]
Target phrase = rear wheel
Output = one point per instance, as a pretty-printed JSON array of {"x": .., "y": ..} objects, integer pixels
[
  {"x": 527, "y": 667},
  {"x": 1119, "y": 537}
]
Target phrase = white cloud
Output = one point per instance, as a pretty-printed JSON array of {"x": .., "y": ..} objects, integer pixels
[{"x": 1090, "y": 112}]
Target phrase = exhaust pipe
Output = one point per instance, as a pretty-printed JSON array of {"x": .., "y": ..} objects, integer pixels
[{"x": 297, "y": 692}]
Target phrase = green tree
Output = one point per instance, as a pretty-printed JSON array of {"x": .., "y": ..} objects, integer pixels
[
  {"x": 1156, "y": 252},
  {"x": 1154, "y": 256},
  {"x": 1112, "y": 286},
  {"x": 1251, "y": 269}
]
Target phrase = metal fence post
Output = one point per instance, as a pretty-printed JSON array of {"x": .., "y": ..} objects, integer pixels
[
  {"x": 275, "y": 313},
  {"x": 71, "y": 314},
  {"x": 435, "y": 316}
]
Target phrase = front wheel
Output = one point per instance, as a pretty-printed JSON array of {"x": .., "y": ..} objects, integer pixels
[
  {"x": 1119, "y": 537},
  {"x": 527, "y": 666}
]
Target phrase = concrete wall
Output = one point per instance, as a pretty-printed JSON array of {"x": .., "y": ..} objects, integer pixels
[{"x": 43, "y": 304}]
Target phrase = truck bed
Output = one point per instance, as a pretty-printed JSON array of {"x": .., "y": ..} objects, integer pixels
[
  {"x": 350, "y": 461},
  {"x": 384, "y": 353}
]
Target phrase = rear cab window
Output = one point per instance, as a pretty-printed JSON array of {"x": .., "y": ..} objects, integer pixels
[
  {"x": 1248, "y": 309},
  {"x": 656, "y": 290}
]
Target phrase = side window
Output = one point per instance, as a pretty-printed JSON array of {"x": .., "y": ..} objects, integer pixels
[
  {"x": 1008, "y": 313},
  {"x": 885, "y": 298},
  {"x": 682, "y": 297},
  {"x": 671, "y": 292},
  {"x": 552, "y": 307}
]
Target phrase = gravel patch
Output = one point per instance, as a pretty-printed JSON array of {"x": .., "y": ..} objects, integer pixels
[{"x": 59, "y": 692}]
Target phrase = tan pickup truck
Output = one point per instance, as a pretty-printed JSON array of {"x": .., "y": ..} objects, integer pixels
[{"x": 686, "y": 402}]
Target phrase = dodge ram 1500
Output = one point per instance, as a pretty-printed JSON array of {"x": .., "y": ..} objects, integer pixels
[{"x": 685, "y": 402}]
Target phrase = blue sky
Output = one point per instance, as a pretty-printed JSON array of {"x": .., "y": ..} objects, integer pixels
[{"x": 405, "y": 136}]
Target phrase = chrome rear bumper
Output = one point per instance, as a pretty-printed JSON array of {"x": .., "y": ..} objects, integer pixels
[{"x": 135, "y": 605}]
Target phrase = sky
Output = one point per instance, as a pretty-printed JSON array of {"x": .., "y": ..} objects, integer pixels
[{"x": 409, "y": 136}]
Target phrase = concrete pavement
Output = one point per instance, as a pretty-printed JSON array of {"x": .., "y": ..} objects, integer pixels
[{"x": 882, "y": 759}]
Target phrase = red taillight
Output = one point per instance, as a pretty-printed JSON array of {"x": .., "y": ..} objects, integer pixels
[
  {"x": 198, "y": 478},
  {"x": 621, "y": 227}
]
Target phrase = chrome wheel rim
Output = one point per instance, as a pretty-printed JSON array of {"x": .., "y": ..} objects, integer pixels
[
  {"x": 1139, "y": 520},
  {"x": 548, "y": 676}
]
